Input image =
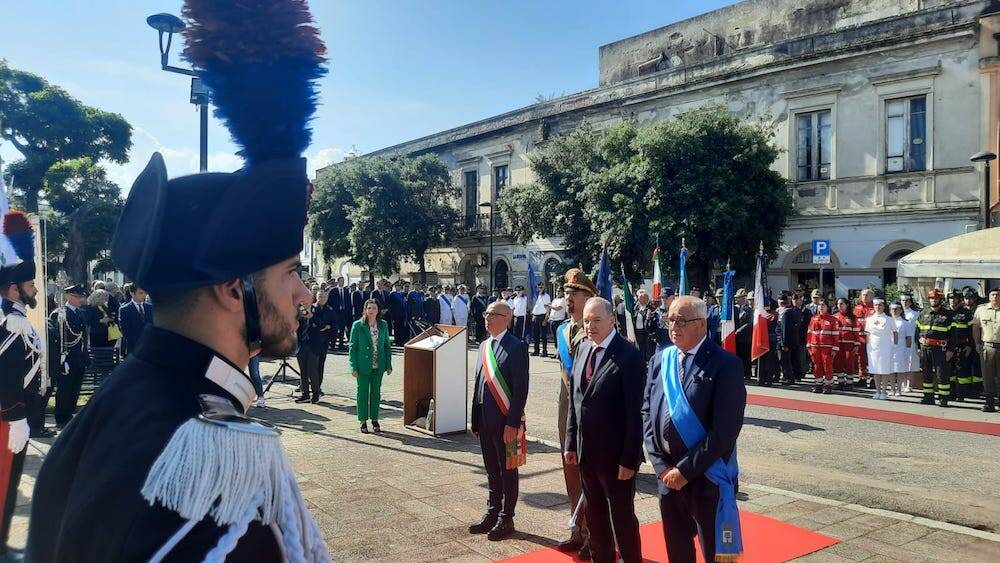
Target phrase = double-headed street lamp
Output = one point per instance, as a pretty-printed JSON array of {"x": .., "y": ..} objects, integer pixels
[
  {"x": 169, "y": 24},
  {"x": 488, "y": 206}
]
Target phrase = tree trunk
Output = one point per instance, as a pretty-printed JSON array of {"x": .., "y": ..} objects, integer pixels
[
  {"x": 74, "y": 262},
  {"x": 31, "y": 199},
  {"x": 422, "y": 269}
]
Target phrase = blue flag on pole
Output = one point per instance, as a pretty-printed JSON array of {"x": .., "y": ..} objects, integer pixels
[
  {"x": 682, "y": 287},
  {"x": 532, "y": 283},
  {"x": 604, "y": 277}
]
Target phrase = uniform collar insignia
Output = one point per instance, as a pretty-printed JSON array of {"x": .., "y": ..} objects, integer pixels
[{"x": 232, "y": 380}]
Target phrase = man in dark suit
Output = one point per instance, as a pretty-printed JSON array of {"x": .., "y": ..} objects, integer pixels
[
  {"x": 788, "y": 331},
  {"x": 335, "y": 303},
  {"x": 709, "y": 379},
  {"x": 381, "y": 296},
  {"x": 497, "y": 417},
  {"x": 134, "y": 316},
  {"x": 397, "y": 314},
  {"x": 604, "y": 432},
  {"x": 744, "y": 328},
  {"x": 432, "y": 307}
]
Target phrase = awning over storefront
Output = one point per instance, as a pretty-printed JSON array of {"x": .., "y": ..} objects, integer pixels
[{"x": 973, "y": 255}]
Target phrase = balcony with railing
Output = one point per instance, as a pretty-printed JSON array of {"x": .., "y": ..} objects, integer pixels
[{"x": 478, "y": 225}]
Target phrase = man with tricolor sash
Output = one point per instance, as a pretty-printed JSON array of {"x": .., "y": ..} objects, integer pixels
[
  {"x": 578, "y": 289},
  {"x": 693, "y": 414},
  {"x": 501, "y": 390}
]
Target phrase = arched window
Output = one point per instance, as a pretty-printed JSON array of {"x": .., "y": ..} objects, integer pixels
[{"x": 501, "y": 275}]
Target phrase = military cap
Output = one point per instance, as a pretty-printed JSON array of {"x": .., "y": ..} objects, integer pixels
[
  {"x": 816, "y": 293},
  {"x": 719, "y": 292},
  {"x": 955, "y": 294},
  {"x": 75, "y": 289},
  {"x": 576, "y": 280},
  {"x": 666, "y": 291},
  {"x": 741, "y": 292},
  {"x": 968, "y": 293}
]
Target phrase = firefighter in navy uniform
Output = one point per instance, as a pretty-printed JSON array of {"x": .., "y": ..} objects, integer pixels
[
  {"x": 964, "y": 347},
  {"x": 163, "y": 464},
  {"x": 934, "y": 335},
  {"x": 975, "y": 362},
  {"x": 21, "y": 373}
]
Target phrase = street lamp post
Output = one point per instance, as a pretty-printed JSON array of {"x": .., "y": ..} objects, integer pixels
[
  {"x": 169, "y": 24},
  {"x": 488, "y": 206},
  {"x": 985, "y": 157}
]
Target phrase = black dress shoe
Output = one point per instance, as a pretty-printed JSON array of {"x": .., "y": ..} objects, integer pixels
[
  {"x": 484, "y": 525},
  {"x": 570, "y": 545},
  {"x": 314, "y": 400},
  {"x": 584, "y": 554},
  {"x": 503, "y": 530},
  {"x": 364, "y": 427},
  {"x": 303, "y": 399},
  {"x": 44, "y": 433},
  {"x": 376, "y": 427}
]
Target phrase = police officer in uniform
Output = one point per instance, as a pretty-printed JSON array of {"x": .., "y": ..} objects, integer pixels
[
  {"x": 68, "y": 330},
  {"x": 164, "y": 464},
  {"x": 934, "y": 335},
  {"x": 578, "y": 289},
  {"x": 961, "y": 335},
  {"x": 21, "y": 373}
]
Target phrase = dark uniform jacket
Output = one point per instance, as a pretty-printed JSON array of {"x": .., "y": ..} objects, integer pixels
[
  {"x": 604, "y": 425},
  {"x": 396, "y": 306},
  {"x": 320, "y": 328},
  {"x": 432, "y": 310},
  {"x": 744, "y": 325},
  {"x": 71, "y": 339},
  {"x": 132, "y": 322},
  {"x": 789, "y": 328},
  {"x": 15, "y": 362},
  {"x": 714, "y": 388},
  {"x": 934, "y": 328},
  {"x": 87, "y": 504}
]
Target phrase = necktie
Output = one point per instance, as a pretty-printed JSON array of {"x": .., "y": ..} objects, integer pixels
[
  {"x": 142, "y": 313},
  {"x": 588, "y": 370}
]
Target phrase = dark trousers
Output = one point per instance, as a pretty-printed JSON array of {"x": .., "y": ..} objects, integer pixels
[
  {"x": 503, "y": 482},
  {"x": 321, "y": 368},
  {"x": 68, "y": 392},
  {"x": 400, "y": 332},
  {"x": 35, "y": 405},
  {"x": 553, "y": 327},
  {"x": 791, "y": 363},
  {"x": 302, "y": 359},
  {"x": 538, "y": 334},
  {"x": 767, "y": 367},
  {"x": 642, "y": 342},
  {"x": 11, "y": 467},
  {"x": 481, "y": 330},
  {"x": 519, "y": 327},
  {"x": 611, "y": 506},
  {"x": 687, "y": 513},
  {"x": 311, "y": 374},
  {"x": 343, "y": 325},
  {"x": 743, "y": 351},
  {"x": 936, "y": 370}
]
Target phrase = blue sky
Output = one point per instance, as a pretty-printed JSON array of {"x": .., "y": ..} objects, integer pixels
[{"x": 398, "y": 69}]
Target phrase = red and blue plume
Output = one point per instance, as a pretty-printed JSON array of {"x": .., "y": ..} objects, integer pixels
[
  {"x": 262, "y": 60},
  {"x": 18, "y": 230}
]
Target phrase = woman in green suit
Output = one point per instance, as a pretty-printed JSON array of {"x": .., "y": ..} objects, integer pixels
[{"x": 371, "y": 357}]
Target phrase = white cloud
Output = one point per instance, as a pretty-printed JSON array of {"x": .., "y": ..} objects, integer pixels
[
  {"x": 179, "y": 161},
  {"x": 325, "y": 157}
]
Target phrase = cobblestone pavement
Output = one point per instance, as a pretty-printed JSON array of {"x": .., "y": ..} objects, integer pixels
[{"x": 406, "y": 496}]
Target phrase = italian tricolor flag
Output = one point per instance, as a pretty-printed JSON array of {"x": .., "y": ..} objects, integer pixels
[{"x": 657, "y": 274}]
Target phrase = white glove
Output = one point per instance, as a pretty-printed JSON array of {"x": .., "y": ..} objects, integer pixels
[{"x": 17, "y": 438}]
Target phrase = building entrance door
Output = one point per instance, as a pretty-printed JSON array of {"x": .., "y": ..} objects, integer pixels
[{"x": 809, "y": 279}]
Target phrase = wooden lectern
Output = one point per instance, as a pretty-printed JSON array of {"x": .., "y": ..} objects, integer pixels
[{"x": 438, "y": 372}]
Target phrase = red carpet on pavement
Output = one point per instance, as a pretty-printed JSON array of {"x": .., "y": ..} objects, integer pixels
[
  {"x": 882, "y": 415},
  {"x": 765, "y": 540}
]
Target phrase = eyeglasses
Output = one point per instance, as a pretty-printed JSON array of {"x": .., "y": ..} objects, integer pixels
[
  {"x": 681, "y": 323},
  {"x": 491, "y": 314}
]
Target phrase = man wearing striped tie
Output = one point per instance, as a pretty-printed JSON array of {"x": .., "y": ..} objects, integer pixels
[{"x": 501, "y": 389}]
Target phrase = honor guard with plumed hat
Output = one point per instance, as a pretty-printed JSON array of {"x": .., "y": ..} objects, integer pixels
[
  {"x": 21, "y": 373},
  {"x": 164, "y": 464}
]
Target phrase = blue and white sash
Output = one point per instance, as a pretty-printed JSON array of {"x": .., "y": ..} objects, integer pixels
[
  {"x": 728, "y": 538},
  {"x": 562, "y": 344}
]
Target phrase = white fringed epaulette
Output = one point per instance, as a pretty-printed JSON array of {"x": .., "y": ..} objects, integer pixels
[{"x": 232, "y": 468}]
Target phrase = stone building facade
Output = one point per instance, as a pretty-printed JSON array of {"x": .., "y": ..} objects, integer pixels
[{"x": 877, "y": 106}]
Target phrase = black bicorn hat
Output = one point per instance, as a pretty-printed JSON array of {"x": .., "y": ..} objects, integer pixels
[
  {"x": 201, "y": 229},
  {"x": 20, "y": 235}
]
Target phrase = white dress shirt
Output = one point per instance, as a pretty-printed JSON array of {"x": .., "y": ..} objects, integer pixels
[
  {"x": 520, "y": 306},
  {"x": 603, "y": 348},
  {"x": 540, "y": 303},
  {"x": 558, "y": 315}
]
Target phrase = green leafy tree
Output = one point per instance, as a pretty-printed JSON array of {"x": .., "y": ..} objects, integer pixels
[
  {"x": 47, "y": 125},
  {"x": 84, "y": 210},
  {"x": 711, "y": 184},
  {"x": 704, "y": 178},
  {"x": 378, "y": 211}
]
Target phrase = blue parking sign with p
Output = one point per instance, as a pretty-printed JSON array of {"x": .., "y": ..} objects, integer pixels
[{"x": 821, "y": 251}]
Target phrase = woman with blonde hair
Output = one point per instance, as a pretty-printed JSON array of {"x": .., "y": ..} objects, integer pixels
[
  {"x": 370, "y": 358},
  {"x": 105, "y": 332}
]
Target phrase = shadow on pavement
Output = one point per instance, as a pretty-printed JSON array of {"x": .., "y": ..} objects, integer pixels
[{"x": 781, "y": 425}]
